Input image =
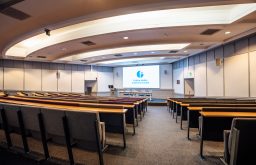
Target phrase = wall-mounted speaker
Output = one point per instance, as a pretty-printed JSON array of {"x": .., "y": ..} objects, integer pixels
[
  {"x": 165, "y": 71},
  {"x": 218, "y": 61}
]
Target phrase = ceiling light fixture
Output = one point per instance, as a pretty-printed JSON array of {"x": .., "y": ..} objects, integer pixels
[
  {"x": 227, "y": 32},
  {"x": 125, "y": 38}
]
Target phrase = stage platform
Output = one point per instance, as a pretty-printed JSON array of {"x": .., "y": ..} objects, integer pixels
[{"x": 157, "y": 102}]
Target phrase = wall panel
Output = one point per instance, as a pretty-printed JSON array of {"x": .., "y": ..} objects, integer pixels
[
  {"x": 13, "y": 78},
  {"x": 214, "y": 73},
  {"x": 78, "y": 81},
  {"x": 1, "y": 78},
  {"x": 236, "y": 75},
  {"x": 49, "y": 80},
  {"x": 64, "y": 81},
  {"x": 166, "y": 76},
  {"x": 200, "y": 75},
  {"x": 253, "y": 73},
  {"x": 33, "y": 81}
]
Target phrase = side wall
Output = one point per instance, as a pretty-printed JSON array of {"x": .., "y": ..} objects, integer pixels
[
  {"x": 234, "y": 77},
  {"x": 52, "y": 77}
]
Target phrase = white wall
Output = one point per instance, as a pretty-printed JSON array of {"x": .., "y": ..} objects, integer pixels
[
  {"x": 36, "y": 76},
  {"x": 235, "y": 77},
  {"x": 118, "y": 77},
  {"x": 252, "y": 73},
  {"x": 178, "y": 75},
  {"x": 215, "y": 85},
  {"x": 33, "y": 79},
  {"x": 165, "y": 76},
  {"x": 200, "y": 75}
]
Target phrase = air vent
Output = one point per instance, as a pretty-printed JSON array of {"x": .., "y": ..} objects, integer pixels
[
  {"x": 7, "y": 3},
  {"x": 210, "y": 31},
  {"x": 14, "y": 13},
  {"x": 118, "y": 55},
  {"x": 84, "y": 60},
  {"x": 41, "y": 57},
  {"x": 88, "y": 43},
  {"x": 173, "y": 51}
]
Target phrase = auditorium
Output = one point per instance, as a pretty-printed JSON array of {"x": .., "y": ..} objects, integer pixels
[{"x": 127, "y": 82}]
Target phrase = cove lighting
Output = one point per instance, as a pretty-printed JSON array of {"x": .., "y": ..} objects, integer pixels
[
  {"x": 129, "y": 60},
  {"x": 122, "y": 50},
  {"x": 207, "y": 15}
]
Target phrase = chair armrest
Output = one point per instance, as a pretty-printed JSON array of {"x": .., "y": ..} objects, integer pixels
[
  {"x": 102, "y": 134},
  {"x": 226, "y": 135}
]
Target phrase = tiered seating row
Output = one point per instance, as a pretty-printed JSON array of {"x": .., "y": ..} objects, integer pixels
[
  {"x": 53, "y": 118},
  {"x": 210, "y": 115}
]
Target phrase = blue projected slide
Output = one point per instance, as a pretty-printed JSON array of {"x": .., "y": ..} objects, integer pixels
[{"x": 141, "y": 77}]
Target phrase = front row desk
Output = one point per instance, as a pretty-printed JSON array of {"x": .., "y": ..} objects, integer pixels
[
  {"x": 74, "y": 123},
  {"x": 212, "y": 117}
]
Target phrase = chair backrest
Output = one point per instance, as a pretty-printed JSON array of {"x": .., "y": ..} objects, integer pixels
[
  {"x": 11, "y": 115},
  {"x": 82, "y": 127},
  {"x": 30, "y": 119},
  {"x": 53, "y": 122},
  {"x": 242, "y": 141}
]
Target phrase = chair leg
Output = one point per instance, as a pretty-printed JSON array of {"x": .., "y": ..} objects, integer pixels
[
  {"x": 6, "y": 128},
  {"x": 100, "y": 152},
  {"x": 67, "y": 137}
]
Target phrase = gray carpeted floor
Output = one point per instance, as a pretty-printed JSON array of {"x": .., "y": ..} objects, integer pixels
[{"x": 158, "y": 141}]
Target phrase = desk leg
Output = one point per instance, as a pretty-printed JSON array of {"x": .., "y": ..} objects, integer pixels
[
  {"x": 188, "y": 127},
  {"x": 181, "y": 115},
  {"x": 133, "y": 121},
  {"x": 201, "y": 140},
  {"x": 176, "y": 113},
  {"x": 123, "y": 122}
]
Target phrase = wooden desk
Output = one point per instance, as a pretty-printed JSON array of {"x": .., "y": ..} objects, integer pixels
[
  {"x": 218, "y": 115},
  {"x": 118, "y": 114},
  {"x": 64, "y": 107}
]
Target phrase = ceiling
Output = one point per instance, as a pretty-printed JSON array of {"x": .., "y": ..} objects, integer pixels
[{"x": 45, "y": 14}]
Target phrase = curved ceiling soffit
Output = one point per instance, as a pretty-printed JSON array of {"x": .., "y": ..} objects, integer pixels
[{"x": 224, "y": 14}]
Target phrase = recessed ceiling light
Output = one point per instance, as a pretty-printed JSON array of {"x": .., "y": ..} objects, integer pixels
[
  {"x": 125, "y": 38},
  {"x": 227, "y": 32},
  {"x": 63, "y": 49},
  {"x": 152, "y": 52}
]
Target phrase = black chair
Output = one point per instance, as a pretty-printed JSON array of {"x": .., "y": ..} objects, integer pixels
[
  {"x": 10, "y": 122},
  {"x": 90, "y": 135},
  {"x": 33, "y": 126},
  {"x": 240, "y": 142}
]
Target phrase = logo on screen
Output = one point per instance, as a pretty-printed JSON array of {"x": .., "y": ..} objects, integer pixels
[{"x": 140, "y": 74}]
